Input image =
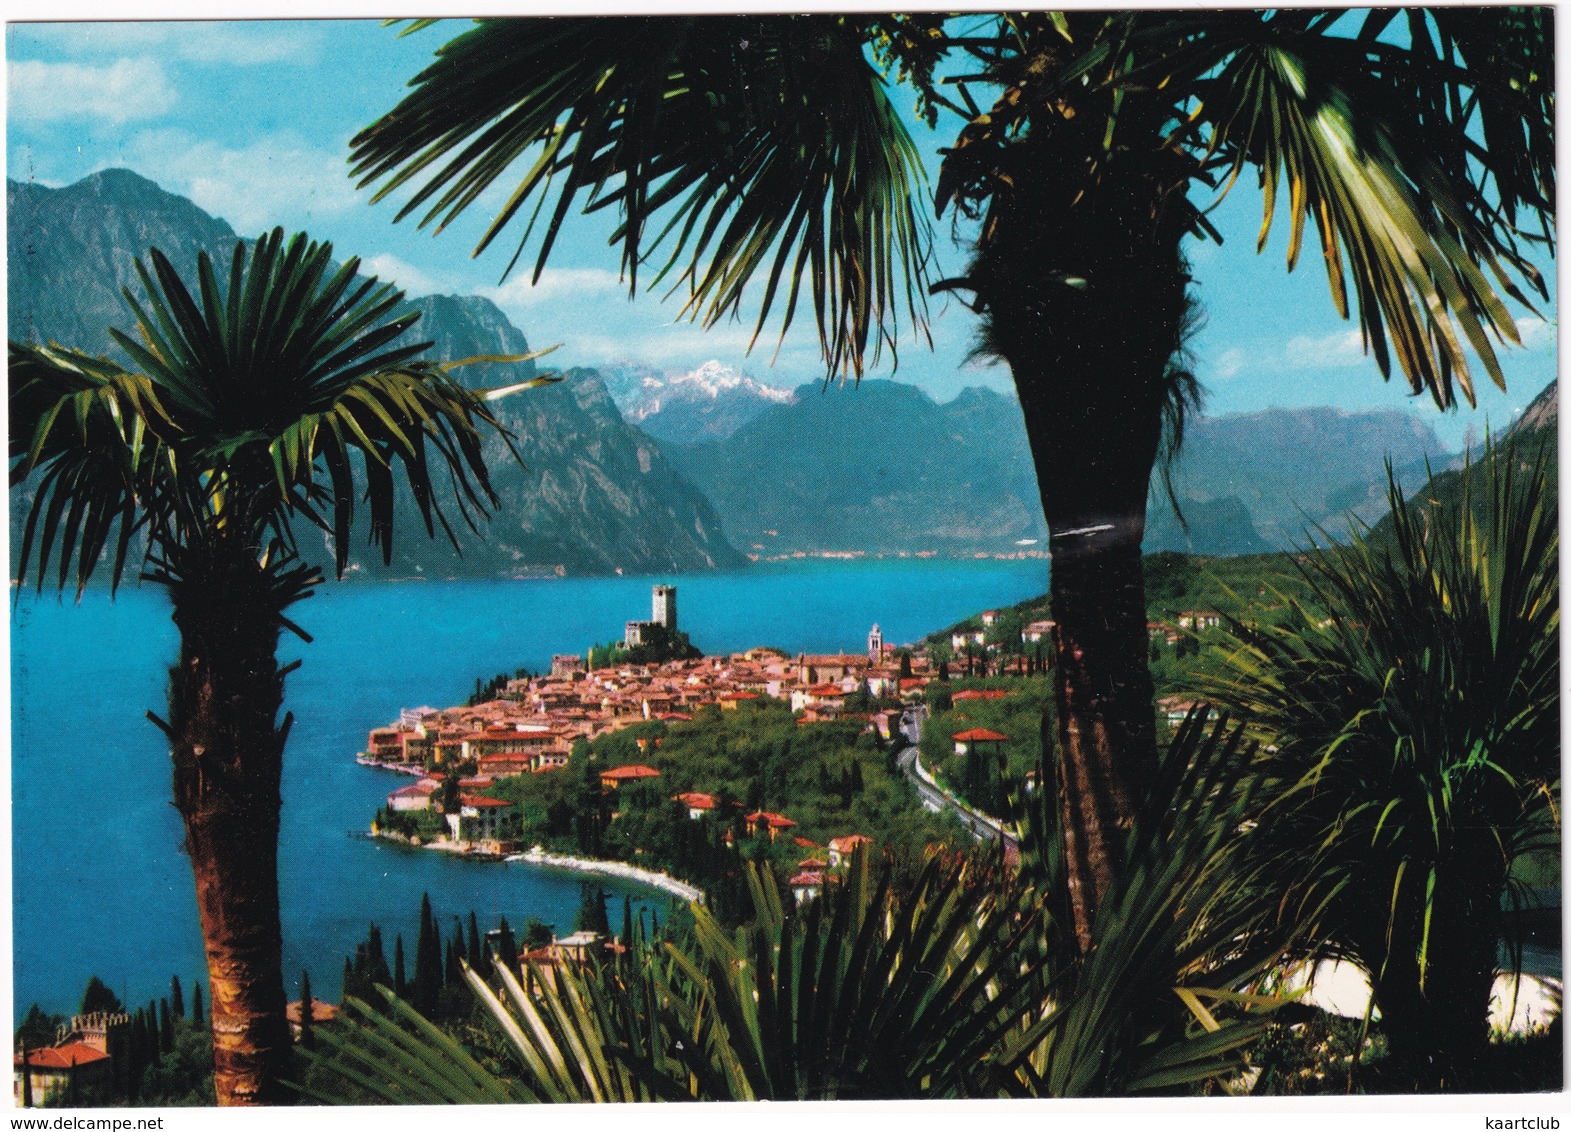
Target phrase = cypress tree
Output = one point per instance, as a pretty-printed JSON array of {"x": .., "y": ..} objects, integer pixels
[
  {"x": 400, "y": 986},
  {"x": 459, "y": 943},
  {"x": 478, "y": 956},
  {"x": 453, "y": 974},
  {"x": 307, "y": 1022},
  {"x": 428, "y": 960},
  {"x": 136, "y": 1052},
  {"x": 166, "y": 1027},
  {"x": 377, "y": 972},
  {"x": 507, "y": 948},
  {"x": 176, "y": 999},
  {"x": 27, "y": 1080},
  {"x": 196, "y": 1005},
  {"x": 349, "y": 978},
  {"x": 627, "y": 921}
]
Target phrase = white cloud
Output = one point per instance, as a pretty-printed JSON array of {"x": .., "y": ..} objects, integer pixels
[
  {"x": 275, "y": 180},
  {"x": 227, "y": 43},
  {"x": 413, "y": 281},
  {"x": 1228, "y": 365},
  {"x": 1327, "y": 351},
  {"x": 556, "y": 284},
  {"x": 1535, "y": 332},
  {"x": 119, "y": 92}
]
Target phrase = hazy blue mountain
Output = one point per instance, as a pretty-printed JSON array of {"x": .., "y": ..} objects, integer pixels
[
  {"x": 1284, "y": 469},
  {"x": 1536, "y": 430},
  {"x": 69, "y": 251},
  {"x": 878, "y": 467},
  {"x": 596, "y": 495},
  {"x": 882, "y": 467}
]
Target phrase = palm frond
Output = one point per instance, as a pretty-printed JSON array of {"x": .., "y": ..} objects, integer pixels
[
  {"x": 262, "y": 395},
  {"x": 731, "y": 147},
  {"x": 95, "y": 434},
  {"x": 1162, "y": 997}
]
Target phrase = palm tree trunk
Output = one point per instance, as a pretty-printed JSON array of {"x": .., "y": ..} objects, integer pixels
[
  {"x": 1093, "y": 473},
  {"x": 227, "y": 747},
  {"x": 1084, "y": 286}
]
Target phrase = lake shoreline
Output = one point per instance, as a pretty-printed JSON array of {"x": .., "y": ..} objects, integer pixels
[
  {"x": 537, "y": 856},
  {"x": 618, "y": 869}
]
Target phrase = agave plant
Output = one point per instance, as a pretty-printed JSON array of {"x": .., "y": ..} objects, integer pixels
[{"x": 1412, "y": 712}]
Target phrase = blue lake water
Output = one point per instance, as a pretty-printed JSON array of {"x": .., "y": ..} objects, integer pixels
[{"x": 98, "y": 882}]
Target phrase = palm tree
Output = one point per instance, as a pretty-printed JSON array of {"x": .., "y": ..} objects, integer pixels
[
  {"x": 1412, "y": 708},
  {"x": 263, "y": 397},
  {"x": 1420, "y": 142}
]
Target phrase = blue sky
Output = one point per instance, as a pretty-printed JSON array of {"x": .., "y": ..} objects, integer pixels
[{"x": 252, "y": 120}]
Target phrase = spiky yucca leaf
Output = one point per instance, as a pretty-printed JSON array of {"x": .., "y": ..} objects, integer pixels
[
  {"x": 1412, "y": 712},
  {"x": 865, "y": 992}
]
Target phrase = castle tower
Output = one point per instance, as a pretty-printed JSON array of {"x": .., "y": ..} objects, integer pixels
[
  {"x": 665, "y": 607},
  {"x": 875, "y": 645}
]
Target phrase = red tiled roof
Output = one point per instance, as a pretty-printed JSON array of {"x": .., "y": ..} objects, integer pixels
[
  {"x": 849, "y": 842},
  {"x": 980, "y": 694},
  {"x": 826, "y": 690},
  {"x": 812, "y": 863},
  {"x": 695, "y": 801},
  {"x": 320, "y": 1011},
  {"x": 623, "y": 773},
  {"x": 739, "y": 695},
  {"x": 979, "y": 735},
  {"x": 802, "y": 880},
  {"x": 482, "y": 803},
  {"x": 674, "y": 717},
  {"x": 61, "y": 1057},
  {"x": 779, "y": 821},
  {"x": 804, "y": 843},
  {"x": 415, "y": 790}
]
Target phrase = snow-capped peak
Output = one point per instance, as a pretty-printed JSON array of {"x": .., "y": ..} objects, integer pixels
[
  {"x": 714, "y": 377},
  {"x": 707, "y": 382}
]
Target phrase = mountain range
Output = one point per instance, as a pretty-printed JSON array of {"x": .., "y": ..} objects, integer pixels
[
  {"x": 594, "y": 495},
  {"x": 628, "y": 468},
  {"x": 882, "y": 467},
  {"x": 878, "y": 467}
]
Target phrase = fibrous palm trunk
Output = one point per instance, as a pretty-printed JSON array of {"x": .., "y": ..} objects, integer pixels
[
  {"x": 227, "y": 747},
  {"x": 1084, "y": 285}
]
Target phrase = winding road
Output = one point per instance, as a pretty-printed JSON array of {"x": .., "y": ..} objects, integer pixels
[{"x": 934, "y": 797}]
